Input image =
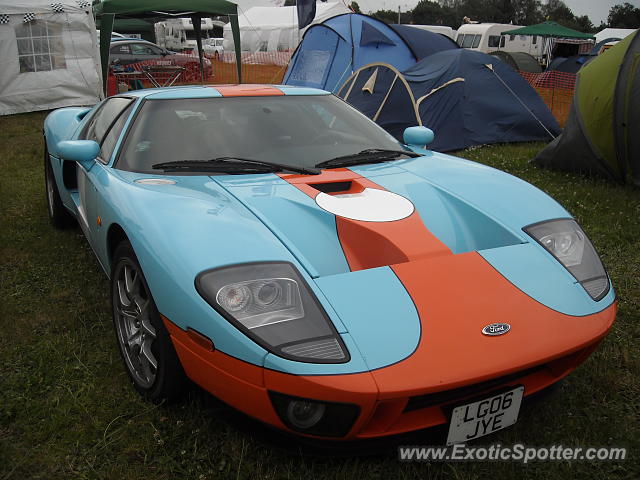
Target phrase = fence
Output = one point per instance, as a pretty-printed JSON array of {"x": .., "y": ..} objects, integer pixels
[
  {"x": 257, "y": 67},
  {"x": 556, "y": 90}
]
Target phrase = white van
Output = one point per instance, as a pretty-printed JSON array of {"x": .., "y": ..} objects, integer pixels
[
  {"x": 487, "y": 37},
  {"x": 441, "y": 29}
]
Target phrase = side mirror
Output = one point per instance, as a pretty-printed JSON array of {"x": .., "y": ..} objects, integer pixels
[
  {"x": 82, "y": 151},
  {"x": 418, "y": 136}
]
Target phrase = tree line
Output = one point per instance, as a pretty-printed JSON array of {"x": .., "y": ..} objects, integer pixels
[{"x": 519, "y": 12}]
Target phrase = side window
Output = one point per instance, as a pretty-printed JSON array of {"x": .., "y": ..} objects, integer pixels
[
  {"x": 476, "y": 41},
  {"x": 535, "y": 39},
  {"x": 460, "y": 39},
  {"x": 120, "y": 49},
  {"x": 468, "y": 41},
  {"x": 103, "y": 118},
  {"x": 141, "y": 49},
  {"x": 110, "y": 141},
  {"x": 494, "y": 41},
  {"x": 502, "y": 41}
]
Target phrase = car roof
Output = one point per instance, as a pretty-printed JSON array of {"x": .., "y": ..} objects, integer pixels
[
  {"x": 211, "y": 91},
  {"x": 130, "y": 40}
]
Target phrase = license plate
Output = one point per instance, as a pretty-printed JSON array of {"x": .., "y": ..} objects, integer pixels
[{"x": 486, "y": 416}]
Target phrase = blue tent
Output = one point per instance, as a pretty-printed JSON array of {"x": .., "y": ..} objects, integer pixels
[
  {"x": 467, "y": 98},
  {"x": 332, "y": 50}
]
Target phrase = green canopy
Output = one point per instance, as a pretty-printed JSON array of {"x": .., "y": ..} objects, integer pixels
[
  {"x": 106, "y": 10},
  {"x": 602, "y": 131},
  {"x": 132, "y": 25},
  {"x": 548, "y": 29}
]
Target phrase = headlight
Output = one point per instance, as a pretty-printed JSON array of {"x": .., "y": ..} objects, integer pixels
[
  {"x": 566, "y": 241},
  {"x": 273, "y": 305}
]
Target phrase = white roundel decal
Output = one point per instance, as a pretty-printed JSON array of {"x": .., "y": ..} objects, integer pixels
[{"x": 370, "y": 205}]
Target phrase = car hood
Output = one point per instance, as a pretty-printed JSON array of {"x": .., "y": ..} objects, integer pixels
[
  {"x": 410, "y": 259},
  {"x": 454, "y": 206},
  {"x": 384, "y": 278}
]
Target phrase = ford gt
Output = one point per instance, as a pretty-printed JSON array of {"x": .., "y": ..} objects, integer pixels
[{"x": 287, "y": 255}]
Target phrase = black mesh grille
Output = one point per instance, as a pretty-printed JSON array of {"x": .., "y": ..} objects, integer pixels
[{"x": 449, "y": 396}]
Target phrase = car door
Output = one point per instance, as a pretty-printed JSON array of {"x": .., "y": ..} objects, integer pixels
[
  {"x": 104, "y": 128},
  {"x": 146, "y": 53}
]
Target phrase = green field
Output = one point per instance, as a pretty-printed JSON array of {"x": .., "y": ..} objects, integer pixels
[{"x": 67, "y": 410}]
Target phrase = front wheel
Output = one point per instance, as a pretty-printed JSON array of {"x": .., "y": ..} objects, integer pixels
[{"x": 146, "y": 348}]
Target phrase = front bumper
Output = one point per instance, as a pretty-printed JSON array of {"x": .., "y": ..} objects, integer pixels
[{"x": 382, "y": 413}]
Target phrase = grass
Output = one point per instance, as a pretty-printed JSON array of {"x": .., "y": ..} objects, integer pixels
[{"x": 67, "y": 410}]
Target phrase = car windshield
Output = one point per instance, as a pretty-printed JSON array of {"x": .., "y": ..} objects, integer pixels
[{"x": 301, "y": 131}]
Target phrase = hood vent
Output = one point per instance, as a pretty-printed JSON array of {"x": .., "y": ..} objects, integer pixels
[{"x": 333, "y": 187}]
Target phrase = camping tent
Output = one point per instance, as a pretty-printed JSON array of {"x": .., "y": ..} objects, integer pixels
[
  {"x": 423, "y": 42},
  {"x": 569, "y": 64},
  {"x": 48, "y": 55},
  {"x": 269, "y": 29},
  {"x": 613, "y": 33},
  {"x": 518, "y": 61},
  {"x": 553, "y": 33},
  {"x": 602, "y": 133},
  {"x": 332, "y": 50},
  {"x": 132, "y": 26},
  {"x": 549, "y": 29},
  {"x": 466, "y": 97},
  {"x": 106, "y": 10}
]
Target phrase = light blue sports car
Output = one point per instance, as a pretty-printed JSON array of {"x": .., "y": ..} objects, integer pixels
[{"x": 282, "y": 251}]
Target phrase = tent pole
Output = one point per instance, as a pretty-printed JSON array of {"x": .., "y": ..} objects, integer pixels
[
  {"x": 196, "y": 20},
  {"x": 235, "y": 30},
  {"x": 106, "y": 27}
]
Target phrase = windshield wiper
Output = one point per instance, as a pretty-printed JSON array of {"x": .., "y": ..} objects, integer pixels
[
  {"x": 370, "y": 155},
  {"x": 233, "y": 165}
]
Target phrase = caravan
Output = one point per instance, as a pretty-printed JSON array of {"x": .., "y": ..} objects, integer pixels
[
  {"x": 178, "y": 33},
  {"x": 487, "y": 38}
]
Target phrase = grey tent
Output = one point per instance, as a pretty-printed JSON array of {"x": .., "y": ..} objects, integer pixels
[
  {"x": 518, "y": 61},
  {"x": 602, "y": 133}
]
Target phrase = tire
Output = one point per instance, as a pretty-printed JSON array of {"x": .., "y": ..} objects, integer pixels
[
  {"x": 58, "y": 214},
  {"x": 144, "y": 343}
]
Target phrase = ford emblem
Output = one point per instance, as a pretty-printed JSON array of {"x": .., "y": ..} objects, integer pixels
[{"x": 496, "y": 329}]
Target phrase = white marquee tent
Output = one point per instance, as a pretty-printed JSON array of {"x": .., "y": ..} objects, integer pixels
[
  {"x": 272, "y": 29},
  {"x": 613, "y": 33},
  {"x": 49, "y": 55}
]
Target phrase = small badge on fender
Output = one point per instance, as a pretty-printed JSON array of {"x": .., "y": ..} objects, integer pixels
[{"x": 496, "y": 329}]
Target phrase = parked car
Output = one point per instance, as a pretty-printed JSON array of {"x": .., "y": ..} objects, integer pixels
[
  {"x": 124, "y": 51},
  {"x": 213, "y": 47},
  {"x": 289, "y": 256}
]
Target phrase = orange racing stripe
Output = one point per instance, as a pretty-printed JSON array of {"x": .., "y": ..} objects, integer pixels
[
  {"x": 248, "y": 90},
  {"x": 373, "y": 244}
]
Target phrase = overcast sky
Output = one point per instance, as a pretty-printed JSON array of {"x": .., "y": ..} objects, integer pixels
[{"x": 597, "y": 10}]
